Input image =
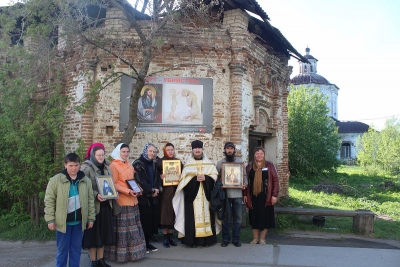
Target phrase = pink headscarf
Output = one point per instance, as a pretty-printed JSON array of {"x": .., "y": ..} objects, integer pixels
[{"x": 91, "y": 147}]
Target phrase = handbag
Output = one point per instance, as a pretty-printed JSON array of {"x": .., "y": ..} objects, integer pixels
[{"x": 116, "y": 207}]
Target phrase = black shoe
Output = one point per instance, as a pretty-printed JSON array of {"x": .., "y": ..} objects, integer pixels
[
  {"x": 151, "y": 247},
  {"x": 206, "y": 245},
  {"x": 94, "y": 264},
  {"x": 166, "y": 241},
  {"x": 193, "y": 246},
  {"x": 153, "y": 238},
  {"x": 171, "y": 240},
  {"x": 237, "y": 244},
  {"x": 102, "y": 263},
  {"x": 224, "y": 244}
]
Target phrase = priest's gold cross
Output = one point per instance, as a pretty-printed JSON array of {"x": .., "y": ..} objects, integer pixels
[{"x": 199, "y": 167}]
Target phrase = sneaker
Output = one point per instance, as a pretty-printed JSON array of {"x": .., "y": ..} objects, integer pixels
[
  {"x": 151, "y": 247},
  {"x": 147, "y": 251}
]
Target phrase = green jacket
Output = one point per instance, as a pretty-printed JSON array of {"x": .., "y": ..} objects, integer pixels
[{"x": 56, "y": 201}]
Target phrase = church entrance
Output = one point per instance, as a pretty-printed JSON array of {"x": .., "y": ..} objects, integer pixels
[{"x": 257, "y": 139}]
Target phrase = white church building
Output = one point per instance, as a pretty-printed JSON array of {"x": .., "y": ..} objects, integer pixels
[{"x": 349, "y": 131}]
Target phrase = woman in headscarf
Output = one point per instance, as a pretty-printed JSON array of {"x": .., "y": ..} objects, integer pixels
[
  {"x": 148, "y": 178},
  {"x": 261, "y": 195},
  {"x": 87, "y": 156},
  {"x": 101, "y": 233},
  {"x": 167, "y": 214},
  {"x": 130, "y": 243}
]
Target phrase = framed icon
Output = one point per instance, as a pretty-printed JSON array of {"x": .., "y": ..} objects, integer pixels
[
  {"x": 232, "y": 174},
  {"x": 172, "y": 171},
  {"x": 106, "y": 188},
  {"x": 134, "y": 186}
]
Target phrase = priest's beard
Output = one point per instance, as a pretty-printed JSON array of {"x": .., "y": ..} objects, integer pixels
[
  {"x": 199, "y": 157},
  {"x": 230, "y": 158}
]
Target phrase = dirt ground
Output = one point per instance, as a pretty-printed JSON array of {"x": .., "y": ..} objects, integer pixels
[{"x": 37, "y": 254}]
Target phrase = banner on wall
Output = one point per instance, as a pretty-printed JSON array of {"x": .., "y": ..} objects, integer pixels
[{"x": 170, "y": 104}]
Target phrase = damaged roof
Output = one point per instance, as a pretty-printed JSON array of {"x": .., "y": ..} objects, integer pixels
[{"x": 264, "y": 28}]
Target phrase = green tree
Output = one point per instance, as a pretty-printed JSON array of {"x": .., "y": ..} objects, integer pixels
[
  {"x": 380, "y": 151},
  {"x": 32, "y": 110},
  {"x": 313, "y": 139}
]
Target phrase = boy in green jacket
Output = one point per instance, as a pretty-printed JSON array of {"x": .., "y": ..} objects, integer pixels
[{"x": 69, "y": 206}]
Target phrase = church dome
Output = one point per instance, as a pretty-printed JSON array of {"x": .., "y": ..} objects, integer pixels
[
  {"x": 309, "y": 78},
  {"x": 308, "y": 72}
]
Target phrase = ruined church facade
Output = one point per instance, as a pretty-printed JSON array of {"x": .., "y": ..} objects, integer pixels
[{"x": 249, "y": 99}]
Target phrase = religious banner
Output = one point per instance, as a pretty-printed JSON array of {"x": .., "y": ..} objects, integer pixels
[{"x": 170, "y": 104}]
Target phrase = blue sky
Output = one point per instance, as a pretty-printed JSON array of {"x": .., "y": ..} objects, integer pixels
[{"x": 357, "y": 44}]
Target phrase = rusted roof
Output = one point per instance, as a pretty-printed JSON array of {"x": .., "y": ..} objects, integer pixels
[{"x": 309, "y": 78}]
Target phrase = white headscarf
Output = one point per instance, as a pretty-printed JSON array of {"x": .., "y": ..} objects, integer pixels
[{"x": 116, "y": 153}]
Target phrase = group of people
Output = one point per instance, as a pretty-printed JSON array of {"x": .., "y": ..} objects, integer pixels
[{"x": 123, "y": 229}]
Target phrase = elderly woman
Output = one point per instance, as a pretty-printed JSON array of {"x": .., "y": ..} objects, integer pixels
[
  {"x": 167, "y": 214},
  {"x": 102, "y": 233},
  {"x": 148, "y": 178},
  {"x": 130, "y": 244},
  {"x": 261, "y": 195}
]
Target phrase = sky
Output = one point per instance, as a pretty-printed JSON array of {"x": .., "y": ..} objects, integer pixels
[{"x": 357, "y": 44}]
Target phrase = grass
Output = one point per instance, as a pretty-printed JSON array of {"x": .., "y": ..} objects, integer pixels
[
  {"x": 358, "y": 191},
  {"x": 25, "y": 231}
]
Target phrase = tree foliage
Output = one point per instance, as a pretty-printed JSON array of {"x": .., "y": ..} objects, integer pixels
[
  {"x": 313, "y": 138},
  {"x": 32, "y": 108},
  {"x": 381, "y": 150}
]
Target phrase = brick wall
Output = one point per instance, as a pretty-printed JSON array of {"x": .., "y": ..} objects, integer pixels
[{"x": 247, "y": 81}]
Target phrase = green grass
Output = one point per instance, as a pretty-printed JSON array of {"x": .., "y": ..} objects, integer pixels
[
  {"x": 359, "y": 191},
  {"x": 24, "y": 230}
]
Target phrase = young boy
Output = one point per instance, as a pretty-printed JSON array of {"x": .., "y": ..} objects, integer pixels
[{"x": 69, "y": 206}]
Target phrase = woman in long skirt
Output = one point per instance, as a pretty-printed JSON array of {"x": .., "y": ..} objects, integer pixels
[
  {"x": 261, "y": 195},
  {"x": 130, "y": 243}
]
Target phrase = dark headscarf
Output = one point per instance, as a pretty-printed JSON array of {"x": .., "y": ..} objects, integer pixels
[
  {"x": 93, "y": 158},
  {"x": 87, "y": 156}
]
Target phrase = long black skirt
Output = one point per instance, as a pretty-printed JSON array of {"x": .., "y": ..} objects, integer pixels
[
  {"x": 102, "y": 232},
  {"x": 261, "y": 216}
]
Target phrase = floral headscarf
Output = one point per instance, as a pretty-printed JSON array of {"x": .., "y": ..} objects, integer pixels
[{"x": 144, "y": 152}]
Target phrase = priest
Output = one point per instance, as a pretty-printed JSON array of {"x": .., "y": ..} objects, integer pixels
[{"x": 196, "y": 225}]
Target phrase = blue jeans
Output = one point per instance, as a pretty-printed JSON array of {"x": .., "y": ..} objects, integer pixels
[
  {"x": 69, "y": 245},
  {"x": 236, "y": 208}
]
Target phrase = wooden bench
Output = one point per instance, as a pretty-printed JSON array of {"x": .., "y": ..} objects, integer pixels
[{"x": 363, "y": 220}]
